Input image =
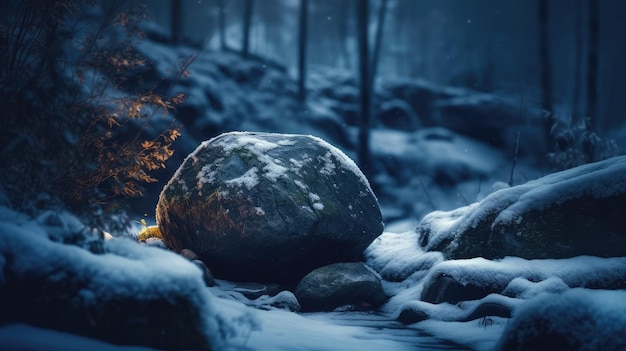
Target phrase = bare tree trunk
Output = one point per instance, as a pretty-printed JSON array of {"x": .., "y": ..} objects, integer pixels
[
  {"x": 302, "y": 45},
  {"x": 592, "y": 66},
  {"x": 221, "y": 22},
  {"x": 382, "y": 11},
  {"x": 546, "y": 72},
  {"x": 365, "y": 89},
  {"x": 176, "y": 23},
  {"x": 247, "y": 24},
  {"x": 344, "y": 33},
  {"x": 578, "y": 62}
]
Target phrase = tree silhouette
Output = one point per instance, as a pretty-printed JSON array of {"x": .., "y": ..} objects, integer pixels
[
  {"x": 302, "y": 45},
  {"x": 592, "y": 65},
  {"x": 247, "y": 24},
  {"x": 365, "y": 88}
]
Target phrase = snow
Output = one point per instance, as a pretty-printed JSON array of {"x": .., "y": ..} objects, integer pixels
[
  {"x": 478, "y": 334},
  {"x": 250, "y": 179},
  {"x": 344, "y": 161},
  {"x": 396, "y": 256},
  {"x": 406, "y": 268}
]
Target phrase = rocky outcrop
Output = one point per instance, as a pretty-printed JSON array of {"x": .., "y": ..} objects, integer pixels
[
  {"x": 565, "y": 214},
  {"x": 340, "y": 284},
  {"x": 268, "y": 207}
]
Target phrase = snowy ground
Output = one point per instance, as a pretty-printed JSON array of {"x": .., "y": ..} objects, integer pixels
[
  {"x": 529, "y": 283},
  {"x": 395, "y": 255}
]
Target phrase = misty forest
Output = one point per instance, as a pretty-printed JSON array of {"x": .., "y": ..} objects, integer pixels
[{"x": 312, "y": 175}]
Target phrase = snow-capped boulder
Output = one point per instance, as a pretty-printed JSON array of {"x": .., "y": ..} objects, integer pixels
[
  {"x": 340, "y": 284},
  {"x": 565, "y": 214},
  {"x": 268, "y": 207}
]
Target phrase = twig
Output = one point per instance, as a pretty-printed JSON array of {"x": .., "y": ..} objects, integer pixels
[
  {"x": 430, "y": 200},
  {"x": 459, "y": 194},
  {"x": 521, "y": 113}
]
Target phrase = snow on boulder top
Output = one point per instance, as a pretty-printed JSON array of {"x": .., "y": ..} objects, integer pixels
[
  {"x": 268, "y": 206},
  {"x": 564, "y": 214},
  {"x": 258, "y": 144}
]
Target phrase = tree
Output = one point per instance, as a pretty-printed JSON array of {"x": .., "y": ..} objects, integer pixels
[
  {"x": 247, "y": 24},
  {"x": 71, "y": 131},
  {"x": 302, "y": 45},
  {"x": 221, "y": 22},
  {"x": 546, "y": 72},
  {"x": 578, "y": 62},
  {"x": 365, "y": 88},
  {"x": 592, "y": 66},
  {"x": 382, "y": 11},
  {"x": 176, "y": 23},
  {"x": 345, "y": 55}
]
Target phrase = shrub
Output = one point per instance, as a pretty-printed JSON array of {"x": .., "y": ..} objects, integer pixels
[
  {"x": 71, "y": 131},
  {"x": 576, "y": 144}
]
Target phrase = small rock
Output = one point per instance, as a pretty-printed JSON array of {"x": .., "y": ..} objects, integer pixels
[
  {"x": 188, "y": 254},
  {"x": 209, "y": 280},
  {"x": 411, "y": 315},
  {"x": 340, "y": 284},
  {"x": 444, "y": 288},
  {"x": 255, "y": 290}
]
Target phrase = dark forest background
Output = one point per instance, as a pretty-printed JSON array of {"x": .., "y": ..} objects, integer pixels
[
  {"x": 95, "y": 94},
  {"x": 560, "y": 53}
]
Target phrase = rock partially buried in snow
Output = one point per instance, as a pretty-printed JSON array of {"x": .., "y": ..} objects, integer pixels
[
  {"x": 565, "y": 214},
  {"x": 340, "y": 284},
  {"x": 575, "y": 320},
  {"x": 444, "y": 288},
  {"x": 268, "y": 207},
  {"x": 128, "y": 295}
]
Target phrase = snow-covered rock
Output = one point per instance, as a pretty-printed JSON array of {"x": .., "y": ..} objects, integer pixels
[
  {"x": 126, "y": 293},
  {"x": 575, "y": 320},
  {"x": 461, "y": 280},
  {"x": 340, "y": 284},
  {"x": 564, "y": 214},
  {"x": 444, "y": 288},
  {"x": 268, "y": 207}
]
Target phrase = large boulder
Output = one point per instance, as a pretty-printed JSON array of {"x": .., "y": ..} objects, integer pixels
[
  {"x": 340, "y": 284},
  {"x": 268, "y": 207},
  {"x": 565, "y": 214}
]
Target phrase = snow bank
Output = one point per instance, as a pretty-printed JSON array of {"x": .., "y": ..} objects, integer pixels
[{"x": 121, "y": 295}]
